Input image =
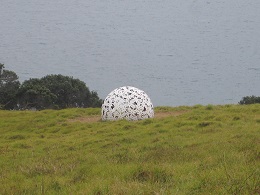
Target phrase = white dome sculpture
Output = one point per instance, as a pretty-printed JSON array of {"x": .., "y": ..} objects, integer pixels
[{"x": 127, "y": 103}]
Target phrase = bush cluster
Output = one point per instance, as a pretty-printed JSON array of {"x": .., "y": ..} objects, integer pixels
[
  {"x": 250, "y": 100},
  {"x": 49, "y": 92}
]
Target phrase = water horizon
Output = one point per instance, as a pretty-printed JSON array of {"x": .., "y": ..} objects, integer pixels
[{"x": 178, "y": 52}]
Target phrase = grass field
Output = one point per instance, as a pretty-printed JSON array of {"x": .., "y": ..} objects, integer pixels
[{"x": 183, "y": 150}]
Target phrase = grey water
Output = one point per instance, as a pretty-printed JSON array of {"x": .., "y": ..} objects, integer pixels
[{"x": 179, "y": 52}]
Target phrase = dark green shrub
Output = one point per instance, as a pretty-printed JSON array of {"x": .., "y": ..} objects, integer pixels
[
  {"x": 250, "y": 100},
  {"x": 49, "y": 92},
  {"x": 9, "y": 85}
]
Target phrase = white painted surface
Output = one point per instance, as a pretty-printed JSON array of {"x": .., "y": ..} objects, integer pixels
[{"x": 128, "y": 103}]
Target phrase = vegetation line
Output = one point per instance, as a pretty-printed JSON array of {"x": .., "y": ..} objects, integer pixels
[{"x": 49, "y": 92}]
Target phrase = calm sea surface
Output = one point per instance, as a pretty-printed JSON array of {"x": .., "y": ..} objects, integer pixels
[{"x": 180, "y": 52}]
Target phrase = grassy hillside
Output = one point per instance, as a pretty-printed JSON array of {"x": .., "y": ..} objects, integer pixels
[{"x": 184, "y": 150}]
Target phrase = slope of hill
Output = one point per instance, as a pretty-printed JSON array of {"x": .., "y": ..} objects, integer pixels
[{"x": 183, "y": 150}]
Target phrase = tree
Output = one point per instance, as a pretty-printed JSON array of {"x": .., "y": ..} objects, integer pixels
[
  {"x": 32, "y": 94},
  {"x": 250, "y": 100},
  {"x": 95, "y": 100},
  {"x": 70, "y": 92},
  {"x": 9, "y": 86},
  {"x": 56, "y": 91},
  {"x": 51, "y": 91}
]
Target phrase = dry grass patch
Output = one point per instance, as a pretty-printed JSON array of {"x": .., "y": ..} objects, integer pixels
[
  {"x": 168, "y": 114},
  {"x": 86, "y": 119},
  {"x": 97, "y": 118}
]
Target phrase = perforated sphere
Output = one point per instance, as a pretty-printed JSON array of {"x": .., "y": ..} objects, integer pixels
[{"x": 127, "y": 103}]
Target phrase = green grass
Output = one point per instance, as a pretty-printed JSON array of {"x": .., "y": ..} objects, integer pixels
[{"x": 204, "y": 150}]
